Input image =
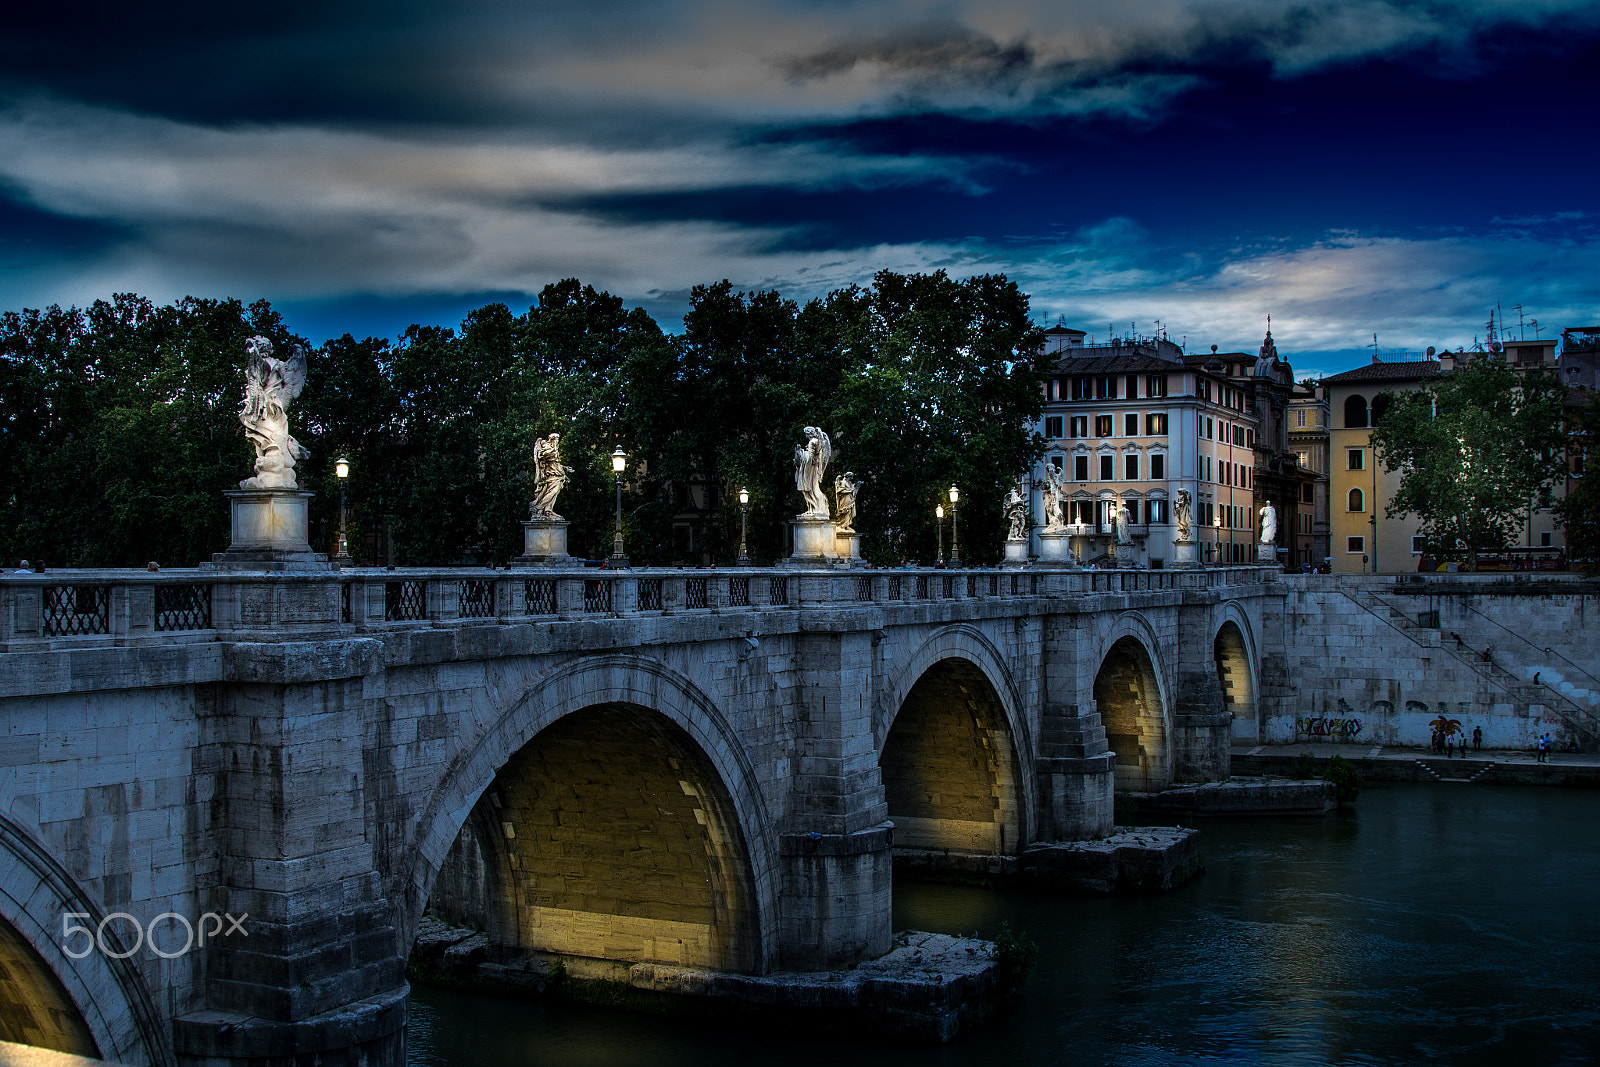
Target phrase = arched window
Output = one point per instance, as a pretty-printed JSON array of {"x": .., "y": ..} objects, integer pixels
[
  {"x": 1358, "y": 502},
  {"x": 1355, "y": 412},
  {"x": 1380, "y": 404}
]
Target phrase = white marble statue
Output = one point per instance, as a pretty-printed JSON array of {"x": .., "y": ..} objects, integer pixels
[
  {"x": 810, "y": 459},
  {"x": 1055, "y": 499},
  {"x": 1016, "y": 509},
  {"x": 270, "y": 385},
  {"x": 1183, "y": 515},
  {"x": 549, "y": 477},
  {"x": 1121, "y": 522},
  {"x": 845, "y": 488},
  {"x": 1269, "y": 524}
]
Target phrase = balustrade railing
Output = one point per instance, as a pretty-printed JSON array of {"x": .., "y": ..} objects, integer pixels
[{"x": 98, "y": 607}]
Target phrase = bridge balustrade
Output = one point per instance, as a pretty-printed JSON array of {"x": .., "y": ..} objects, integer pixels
[{"x": 83, "y": 607}]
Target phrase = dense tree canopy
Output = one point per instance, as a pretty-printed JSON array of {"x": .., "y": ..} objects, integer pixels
[
  {"x": 119, "y": 430},
  {"x": 1475, "y": 448},
  {"x": 1579, "y": 511}
]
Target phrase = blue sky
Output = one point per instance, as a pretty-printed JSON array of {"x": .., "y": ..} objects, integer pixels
[{"x": 1350, "y": 167}]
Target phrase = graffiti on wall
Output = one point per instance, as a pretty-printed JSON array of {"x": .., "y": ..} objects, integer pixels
[
  {"x": 1346, "y": 725},
  {"x": 1324, "y": 726}
]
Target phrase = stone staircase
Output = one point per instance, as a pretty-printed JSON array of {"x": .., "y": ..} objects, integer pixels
[
  {"x": 1584, "y": 723},
  {"x": 1456, "y": 770}
]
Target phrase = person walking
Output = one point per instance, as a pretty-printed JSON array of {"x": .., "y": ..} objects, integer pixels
[{"x": 1477, "y": 739}]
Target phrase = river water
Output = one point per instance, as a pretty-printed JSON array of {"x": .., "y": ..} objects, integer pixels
[{"x": 1447, "y": 924}]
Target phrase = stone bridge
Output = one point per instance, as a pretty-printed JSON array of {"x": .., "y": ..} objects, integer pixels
[{"x": 696, "y": 767}]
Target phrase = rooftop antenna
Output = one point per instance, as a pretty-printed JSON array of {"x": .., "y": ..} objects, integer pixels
[
  {"x": 1522, "y": 334},
  {"x": 1536, "y": 328},
  {"x": 1374, "y": 347},
  {"x": 1490, "y": 338}
]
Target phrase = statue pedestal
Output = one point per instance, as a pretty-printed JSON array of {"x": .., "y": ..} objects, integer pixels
[
  {"x": 270, "y": 531},
  {"x": 1185, "y": 555},
  {"x": 1266, "y": 553},
  {"x": 1122, "y": 556},
  {"x": 815, "y": 543},
  {"x": 544, "y": 543},
  {"x": 847, "y": 547},
  {"x": 1055, "y": 549},
  {"x": 1016, "y": 553}
]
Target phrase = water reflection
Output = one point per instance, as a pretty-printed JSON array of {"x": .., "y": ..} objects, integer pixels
[{"x": 1440, "y": 924}]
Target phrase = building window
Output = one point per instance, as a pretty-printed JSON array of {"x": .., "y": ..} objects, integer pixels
[
  {"x": 1355, "y": 413},
  {"x": 1056, "y": 462},
  {"x": 1106, "y": 387},
  {"x": 1130, "y": 466},
  {"x": 1155, "y": 385},
  {"x": 1546, "y": 539},
  {"x": 1108, "y": 468},
  {"x": 1357, "y": 501},
  {"x": 1080, "y": 426},
  {"x": 1304, "y": 459},
  {"x": 1417, "y": 545},
  {"x": 1104, "y": 425},
  {"x": 1158, "y": 466},
  {"x": 1052, "y": 427},
  {"x": 1080, "y": 468},
  {"x": 1308, "y": 493},
  {"x": 1210, "y": 436},
  {"x": 1130, "y": 424},
  {"x": 1156, "y": 512},
  {"x": 1300, "y": 418},
  {"x": 1355, "y": 544},
  {"x": 1355, "y": 459},
  {"x": 1155, "y": 424},
  {"x": 1133, "y": 387}
]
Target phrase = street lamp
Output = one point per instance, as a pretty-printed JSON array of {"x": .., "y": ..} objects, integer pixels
[
  {"x": 341, "y": 551},
  {"x": 955, "y": 537},
  {"x": 1216, "y": 524},
  {"x": 744, "y": 511},
  {"x": 619, "y": 463},
  {"x": 939, "y": 512}
]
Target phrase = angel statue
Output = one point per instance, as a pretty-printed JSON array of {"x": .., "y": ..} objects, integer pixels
[
  {"x": 269, "y": 387},
  {"x": 845, "y": 488},
  {"x": 549, "y": 477},
  {"x": 1183, "y": 515},
  {"x": 1055, "y": 499},
  {"x": 1269, "y": 524},
  {"x": 810, "y": 459},
  {"x": 1016, "y": 508},
  {"x": 1121, "y": 523}
]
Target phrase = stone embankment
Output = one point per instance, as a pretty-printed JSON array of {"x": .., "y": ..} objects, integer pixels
[
  {"x": 928, "y": 988},
  {"x": 1387, "y": 763},
  {"x": 1138, "y": 859}
]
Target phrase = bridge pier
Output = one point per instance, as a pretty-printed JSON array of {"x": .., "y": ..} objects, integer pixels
[
  {"x": 1077, "y": 776},
  {"x": 313, "y": 974}
]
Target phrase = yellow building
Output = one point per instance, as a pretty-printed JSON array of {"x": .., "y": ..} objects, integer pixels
[{"x": 1362, "y": 538}]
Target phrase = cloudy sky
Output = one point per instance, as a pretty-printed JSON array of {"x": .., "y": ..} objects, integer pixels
[{"x": 1351, "y": 167}]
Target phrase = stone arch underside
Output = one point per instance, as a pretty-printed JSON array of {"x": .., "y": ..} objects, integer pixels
[
  {"x": 95, "y": 1004},
  {"x": 949, "y": 766},
  {"x": 35, "y": 1008},
  {"x": 1128, "y": 697},
  {"x": 609, "y": 835},
  {"x": 1237, "y": 680}
]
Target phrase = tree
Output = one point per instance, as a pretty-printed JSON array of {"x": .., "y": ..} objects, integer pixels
[
  {"x": 1475, "y": 448},
  {"x": 1579, "y": 511}
]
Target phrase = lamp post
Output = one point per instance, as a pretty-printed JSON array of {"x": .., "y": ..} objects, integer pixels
[
  {"x": 938, "y": 512},
  {"x": 1216, "y": 524},
  {"x": 619, "y": 463},
  {"x": 341, "y": 550},
  {"x": 955, "y": 536},
  {"x": 744, "y": 511}
]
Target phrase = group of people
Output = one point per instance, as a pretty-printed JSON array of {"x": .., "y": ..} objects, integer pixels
[{"x": 1447, "y": 742}]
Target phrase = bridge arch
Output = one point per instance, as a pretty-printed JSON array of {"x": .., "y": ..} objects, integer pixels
[
  {"x": 1233, "y": 650},
  {"x": 1131, "y": 695},
  {"x": 954, "y": 750},
  {"x": 675, "y": 780},
  {"x": 94, "y": 1006}
]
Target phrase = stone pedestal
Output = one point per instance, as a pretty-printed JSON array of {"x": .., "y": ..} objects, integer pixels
[
  {"x": 1266, "y": 553},
  {"x": 815, "y": 543},
  {"x": 270, "y": 531},
  {"x": 847, "y": 547},
  {"x": 544, "y": 543},
  {"x": 1016, "y": 553},
  {"x": 1123, "y": 556},
  {"x": 1055, "y": 549},
  {"x": 1185, "y": 555}
]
